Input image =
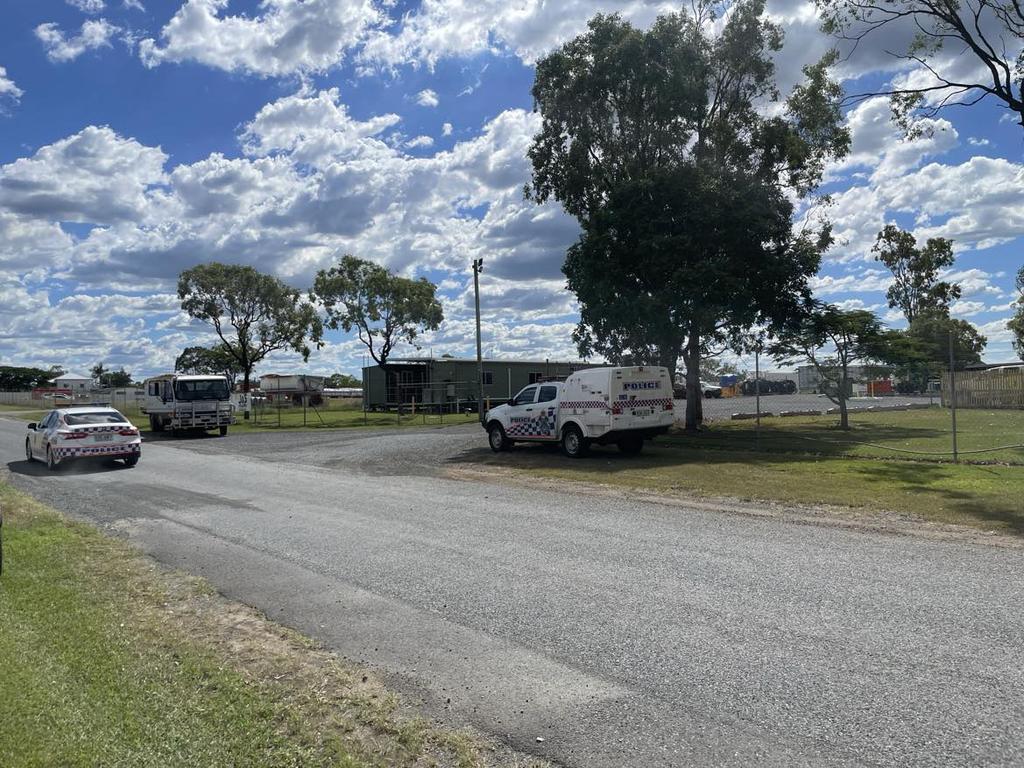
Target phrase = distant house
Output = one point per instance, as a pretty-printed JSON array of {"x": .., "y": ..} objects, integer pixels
[
  {"x": 73, "y": 382},
  {"x": 292, "y": 388}
]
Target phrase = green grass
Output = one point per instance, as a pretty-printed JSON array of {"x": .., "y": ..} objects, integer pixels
[
  {"x": 104, "y": 660},
  {"x": 981, "y": 496},
  {"x": 885, "y": 434},
  {"x": 333, "y": 415}
]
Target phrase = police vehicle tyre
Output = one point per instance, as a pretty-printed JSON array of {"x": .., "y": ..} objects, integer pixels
[
  {"x": 574, "y": 444},
  {"x": 496, "y": 437},
  {"x": 223, "y": 431},
  {"x": 631, "y": 446},
  {"x": 28, "y": 451},
  {"x": 51, "y": 462},
  {"x": 131, "y": 461}
]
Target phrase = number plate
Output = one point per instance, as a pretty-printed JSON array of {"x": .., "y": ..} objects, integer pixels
[
  {"x": 103, "y": 438},
  {"x": 642, "y": 411}
]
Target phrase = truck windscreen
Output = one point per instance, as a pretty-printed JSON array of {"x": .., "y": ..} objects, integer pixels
[{"x": 215, "y": 389}]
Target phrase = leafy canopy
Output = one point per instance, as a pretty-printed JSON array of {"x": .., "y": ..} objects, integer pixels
[
  {"x": 383, "y": 308},
  {"x": 916, "y": 287},
  {"x": 833, "y": 341},
  {"x": 252, "y": 313},
  {"x": 659, "y": 143},
  {"x": 208, "y": 361},
  {"x": 1016, "y": 323}
]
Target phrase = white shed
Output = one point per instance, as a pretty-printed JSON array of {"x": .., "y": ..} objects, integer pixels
[{"x": 79, "y": 385}]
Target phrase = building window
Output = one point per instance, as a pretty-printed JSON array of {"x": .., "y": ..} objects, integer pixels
[
  {"x": 488, "y": 378},
  {"x": 536, "y": 376}
]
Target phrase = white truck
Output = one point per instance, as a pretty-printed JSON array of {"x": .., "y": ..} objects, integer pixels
[
  {"x": 625, "y": 406},
  {"x": 179, "y": 402}
]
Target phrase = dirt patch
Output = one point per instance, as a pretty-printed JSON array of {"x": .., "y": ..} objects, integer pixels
[{"x": 895, "y": 523}]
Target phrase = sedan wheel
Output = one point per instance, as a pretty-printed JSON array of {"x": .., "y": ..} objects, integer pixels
[
  {"x": 28, "y": 451},
  {"x": 51, "y": 462}
]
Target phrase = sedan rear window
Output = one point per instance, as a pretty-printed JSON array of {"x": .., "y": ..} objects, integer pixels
[{"x": 94, "y": 417}]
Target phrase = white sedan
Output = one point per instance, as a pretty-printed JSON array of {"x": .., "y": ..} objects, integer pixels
[{"x": 83, "y": 432}]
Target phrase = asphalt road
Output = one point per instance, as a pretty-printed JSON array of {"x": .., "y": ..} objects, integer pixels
[{"x": 621, "y": 633}]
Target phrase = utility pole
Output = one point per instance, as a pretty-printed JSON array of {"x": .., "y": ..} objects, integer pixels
[
  {"x": 478, "y": 267},
  {"x": 952, "y": 394}
]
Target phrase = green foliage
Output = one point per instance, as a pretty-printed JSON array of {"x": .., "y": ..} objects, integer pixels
[
  {"x": 15, "y": 378},
  {"x": 929, "y": 341},
  {"x": 916, "y": 287},
  {"x": 988, "y": 34},
  {"x": 1016, "y": 323},
  {"x": 834, "y": 341},
  {"x": 118, "y": 378},
  {"x": 209, "y": 361},
  {"x": 342, "y": 380},
  {"x": 253, "y": 314},
  {"x": 383, "y": 308},
  {"x": 656, "y": 143}
]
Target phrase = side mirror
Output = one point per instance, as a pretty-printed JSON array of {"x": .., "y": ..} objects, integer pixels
[
  {"x": 511, "y": 401},
  {"x": 32, "y": 425}
]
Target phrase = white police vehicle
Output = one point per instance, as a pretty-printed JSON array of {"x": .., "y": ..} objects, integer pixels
[
  {"x": 83, "y": 432},
  {"x": 624, "y": 406}
]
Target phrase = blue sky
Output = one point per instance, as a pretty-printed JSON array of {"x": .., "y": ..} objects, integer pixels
[{"x": 140, "y": 138}]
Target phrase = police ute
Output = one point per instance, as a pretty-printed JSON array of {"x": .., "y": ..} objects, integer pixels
[{"x": 624, "y": 406}]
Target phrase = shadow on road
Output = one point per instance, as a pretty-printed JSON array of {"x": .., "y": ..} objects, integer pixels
[{"x": 90, "y": 467}]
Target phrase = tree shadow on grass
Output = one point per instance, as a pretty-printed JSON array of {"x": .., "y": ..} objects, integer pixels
[
  {"x": 922, "y": 477},
  {"x": 900, "y": 476}
]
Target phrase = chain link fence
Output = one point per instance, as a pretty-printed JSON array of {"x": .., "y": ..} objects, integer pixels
[{"x": 909, "y": 411}]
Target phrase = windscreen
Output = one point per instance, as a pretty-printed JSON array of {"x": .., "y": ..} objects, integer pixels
[
  {"x": 94, "y": 417},
  {"x": 209, "y": 389}
]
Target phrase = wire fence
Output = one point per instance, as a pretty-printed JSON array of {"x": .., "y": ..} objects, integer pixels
[{"x": 911, "y": 411}]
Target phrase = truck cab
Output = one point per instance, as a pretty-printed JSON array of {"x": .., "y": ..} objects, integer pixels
[
  {"x": 623, "y": 405},
  {"x": 185, "y": 402}
]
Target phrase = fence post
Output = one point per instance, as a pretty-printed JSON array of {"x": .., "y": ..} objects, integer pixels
[
  {"x": 757, "y": 401},
  {"x": 952, "y": 395}
]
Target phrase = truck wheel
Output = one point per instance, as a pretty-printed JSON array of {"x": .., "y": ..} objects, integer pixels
[
  {"x": 496, "y": 437},
  {"x": 631, "y": 446},
  {"x": 574, "y": 444},
  {"x": 223, "y": 431},
  {"x": 155, "y": 424}
]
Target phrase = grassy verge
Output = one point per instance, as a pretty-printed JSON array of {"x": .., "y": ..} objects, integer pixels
[
  {"x": 885, "y": 434},
  {"x": 104, "y": 660},
  {"x": 332, "y": 416},
  {"x": 982, "y": 496}
]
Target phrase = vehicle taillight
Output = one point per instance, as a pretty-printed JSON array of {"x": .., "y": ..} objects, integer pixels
[
  {"x": 616, "y": 410},
  {"x": 130, "y": 432},
  {"x": 668, "y": 405},
  {"x": 73, "y": 435}
]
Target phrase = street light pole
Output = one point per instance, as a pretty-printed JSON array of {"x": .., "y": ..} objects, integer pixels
[{"x": 478, "y": 267}]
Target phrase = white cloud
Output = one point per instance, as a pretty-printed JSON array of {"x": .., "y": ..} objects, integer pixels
[
  {"x": 420, "y": 142},
  {"x": 88, "y": 6},
  {"x": 93, "y": 176},
  {"x": 95, "y": 33},
  {"x": 8, "y": 90},
  {"x": 133, "y": 5},
  {"x": 287, "y": 37},
  {"x": 964, "y": 308},
  {"x": 976, "y": 142},
  {"x": 427, "y": 98},
  {"x": 446, "y": 129}
]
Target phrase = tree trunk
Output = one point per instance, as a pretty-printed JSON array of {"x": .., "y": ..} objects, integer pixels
[
  {"x": 844, "y": 416},
  {"x": 246, "y": 378},
  {"x": 694, "y": 396}
]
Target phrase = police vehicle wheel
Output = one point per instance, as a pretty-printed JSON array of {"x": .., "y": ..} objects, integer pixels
[
  {"x": 631, "y": 446},
  {"x": 51, "y": 462},
  {"x": 574, "y": 444},
  {"x": 28, "y": 451},
  {"x": 496, "y": 437},
  {"x": 131, "y": 461}
]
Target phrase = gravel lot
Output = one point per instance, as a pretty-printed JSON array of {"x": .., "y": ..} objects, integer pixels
[{"x": 622, "y": 633}]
